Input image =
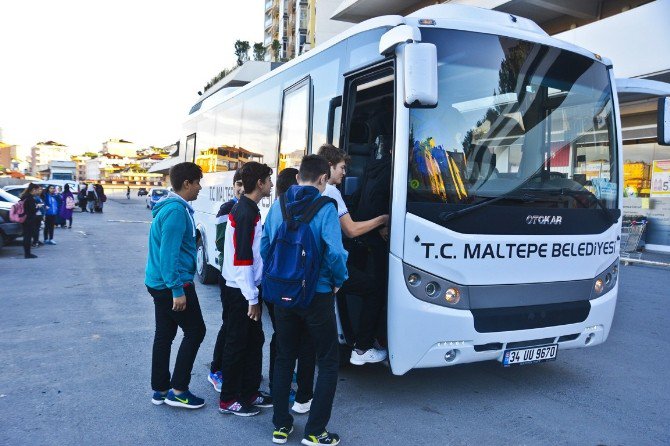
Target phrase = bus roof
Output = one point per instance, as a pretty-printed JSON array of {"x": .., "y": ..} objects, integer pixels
[{"x": 458, "y": 17}]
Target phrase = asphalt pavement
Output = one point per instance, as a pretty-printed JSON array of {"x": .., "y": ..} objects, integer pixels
[{"x": 76, "y": 329}]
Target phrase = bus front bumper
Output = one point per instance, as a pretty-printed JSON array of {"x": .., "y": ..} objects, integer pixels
[{"x": 424, "y": 335}]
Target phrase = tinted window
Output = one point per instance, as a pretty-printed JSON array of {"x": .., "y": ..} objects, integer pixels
[{"x": 295, "y": 124}]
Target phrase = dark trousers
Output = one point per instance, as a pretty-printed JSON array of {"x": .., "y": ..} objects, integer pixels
[
  {"x": 28, "y": 230},
  {"x": 191, "y": 322},
  {"x": 36, "y": 229},
  {"x": 319, "y": 318},
  {"x": 49, "y": 224},
  {"x": 372, "y": 291},
  {"x": 242, "y": 357},
  {"x": 306, "y": 360},
  {"x": 217, "y": 356}
]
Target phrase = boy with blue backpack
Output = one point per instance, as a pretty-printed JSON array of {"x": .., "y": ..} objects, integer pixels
[{"x": 304, "y": 266}]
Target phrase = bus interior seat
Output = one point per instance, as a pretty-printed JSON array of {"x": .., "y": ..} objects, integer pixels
[{"x": 358, "y": 148}]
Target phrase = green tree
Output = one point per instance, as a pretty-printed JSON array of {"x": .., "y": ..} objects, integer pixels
[
  {"x": 259, "y": 51},
  {"x": 242, "y": 51},
  {"x": 276, "y": 46}
]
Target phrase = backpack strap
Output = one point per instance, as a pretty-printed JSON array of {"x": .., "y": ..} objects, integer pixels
[
  {"x": 315, "y": 207},
  {"x": 282, "y": 206}
]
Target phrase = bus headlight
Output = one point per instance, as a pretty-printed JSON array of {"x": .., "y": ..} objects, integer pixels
[
  {"x": 598, "y": 286},
  {"x": 452, "y": 295},
  {"x": 432, "y": 289},
  {"x": 414, "y": 279}
]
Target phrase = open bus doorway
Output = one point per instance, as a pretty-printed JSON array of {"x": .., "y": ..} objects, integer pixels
[{"x": 367, "y": 138}]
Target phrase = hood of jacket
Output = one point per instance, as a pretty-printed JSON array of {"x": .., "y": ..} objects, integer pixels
[
  {"x": 298, "y": 198},
  {"x": 172, "y": 199}
]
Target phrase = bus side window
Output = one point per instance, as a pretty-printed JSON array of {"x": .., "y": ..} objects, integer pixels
[
  {"x": 294, "y": 133},
  {"x": 190, "y": 147}
]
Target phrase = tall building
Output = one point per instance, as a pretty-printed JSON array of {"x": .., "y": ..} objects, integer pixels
[
  {"x": 44, "y": 152},
  {"x": 292, "y": 23},
  {"x": 7, "y": 154},
  {"x": 120, "y": 147}
]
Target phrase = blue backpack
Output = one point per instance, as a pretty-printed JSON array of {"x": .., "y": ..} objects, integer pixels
[{"x": 291, "y": 273}]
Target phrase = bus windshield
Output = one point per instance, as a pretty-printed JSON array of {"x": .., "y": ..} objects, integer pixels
[{"x": 517, "y": 123}]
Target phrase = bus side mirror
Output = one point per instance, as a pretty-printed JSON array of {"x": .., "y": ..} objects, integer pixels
[
  {"x": 663, "y": 131},
  {"x": 420, "y": 74}
]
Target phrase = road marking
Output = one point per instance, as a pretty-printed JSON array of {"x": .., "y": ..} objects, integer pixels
[{"x": 129, "y": 221}]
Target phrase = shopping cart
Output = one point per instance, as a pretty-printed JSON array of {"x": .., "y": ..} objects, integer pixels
[{"x": 631, "y": 235}]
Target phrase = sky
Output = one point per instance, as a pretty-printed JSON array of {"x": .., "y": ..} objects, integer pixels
[{"x": 82, "y": 72}]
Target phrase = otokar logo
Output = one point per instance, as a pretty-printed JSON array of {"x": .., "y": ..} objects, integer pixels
[{"x": 544, "y": 220}]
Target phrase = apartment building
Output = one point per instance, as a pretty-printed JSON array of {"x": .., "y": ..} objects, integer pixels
[{"x": 44, "y": 152}]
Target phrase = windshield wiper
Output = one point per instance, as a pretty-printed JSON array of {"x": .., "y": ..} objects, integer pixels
[
  {"x": 526, "y": 198},
  {"x": 580, "y": 193}
]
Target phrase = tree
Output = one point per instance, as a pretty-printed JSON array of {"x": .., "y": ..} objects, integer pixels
[
  {"x": 259, "y": 51},
  {"x": 276, "y": 46},
  {"x": 242, "y": 51}
]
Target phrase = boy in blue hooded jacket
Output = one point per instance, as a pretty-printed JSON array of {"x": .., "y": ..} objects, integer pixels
[
  {"x": 319, "y": 317},
  {"x": 169, "y": 279}
]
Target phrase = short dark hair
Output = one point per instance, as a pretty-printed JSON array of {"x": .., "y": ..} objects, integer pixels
[
  {"x": 251, "y": 172},
  {"x": 184, "y": 172},
  {"x": 312, "y": 167},
  {"x": 333, "y": 154},
  {"x": 237, "y": 177},
  {"x": 286, "y": 179}
]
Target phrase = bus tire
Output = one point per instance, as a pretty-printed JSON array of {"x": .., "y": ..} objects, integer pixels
[{"x": 206, "y": 273}]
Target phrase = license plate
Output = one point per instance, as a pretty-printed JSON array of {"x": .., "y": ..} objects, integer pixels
[{"x": 532, "y": 355}]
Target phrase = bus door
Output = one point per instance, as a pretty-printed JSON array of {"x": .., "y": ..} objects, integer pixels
[{"x": 366, "y": 134}]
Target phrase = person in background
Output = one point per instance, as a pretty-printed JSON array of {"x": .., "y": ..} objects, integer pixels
[
  {"x": 214, "y": 376},
  {"x": 102, "y": 198},
  {"x": 169, "y": 280},
  {"x": 60, "y": 222},
  {"x": 30, "y": 210},
  {"x": 50, "y": 214},
  {"x": 128, "y": 192},
  {"x": 91, "y": 198},
  {"x": 39, "y": 218},
  {"x": 242, "y": 358},
  {"x": 67, "y": 209},
  {"x": 82, "y": 197}
]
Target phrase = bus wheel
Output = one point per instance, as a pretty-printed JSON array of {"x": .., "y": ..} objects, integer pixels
[{"x": 206, "y": 273}]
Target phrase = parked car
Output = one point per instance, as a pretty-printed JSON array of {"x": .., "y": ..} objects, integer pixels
[
  {"x": 142, "y": 191},
  {"x": 155, "y": 194},
  {"x": 15, "y": 189},
  {"x": 8, "y": 229}
]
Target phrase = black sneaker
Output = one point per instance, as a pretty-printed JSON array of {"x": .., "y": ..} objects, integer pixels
[
  {"x": 237, "y": 408},
  {"x": 325, "y": 438},
  {"x": 280, "y": 434},
  {"x": 31, "y": 256},
  {"x": 261, "y": 399}
]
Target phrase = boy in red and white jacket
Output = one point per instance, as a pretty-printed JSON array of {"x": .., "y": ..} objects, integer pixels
[{"x": 242, "y": 269}]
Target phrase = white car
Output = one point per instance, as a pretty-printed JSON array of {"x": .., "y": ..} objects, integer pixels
[
  {"x": 8, "y": 230},
  {"x": 15, "y": 189}
]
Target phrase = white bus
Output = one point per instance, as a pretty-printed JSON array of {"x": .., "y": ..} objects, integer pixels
[{"x": 505, "y": 199}]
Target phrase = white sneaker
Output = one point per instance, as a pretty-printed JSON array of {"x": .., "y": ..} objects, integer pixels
[
  {"x": 368, "y": 357},
  {"x": 301, "y": 407}
]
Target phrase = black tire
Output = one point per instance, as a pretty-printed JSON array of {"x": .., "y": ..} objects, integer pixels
[{"x": 206, "y": 273}]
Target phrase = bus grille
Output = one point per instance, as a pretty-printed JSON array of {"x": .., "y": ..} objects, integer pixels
[{"x": 492, "y": 320}]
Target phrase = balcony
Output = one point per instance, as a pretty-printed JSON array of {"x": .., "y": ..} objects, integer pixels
[{"x": 268, "y": 23}]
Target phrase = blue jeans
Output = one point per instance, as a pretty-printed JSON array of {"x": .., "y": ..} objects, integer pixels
[{"x": 319, "y": 318}]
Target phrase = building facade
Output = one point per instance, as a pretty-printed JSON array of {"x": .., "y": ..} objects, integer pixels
[
  {"x": 119, "y": 147},
  {"x": 7, "y": 155},
  {"x": 42, "y": 153}
]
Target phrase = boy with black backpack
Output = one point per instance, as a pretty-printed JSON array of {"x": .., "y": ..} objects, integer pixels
[{"x": 304, "y": 265}]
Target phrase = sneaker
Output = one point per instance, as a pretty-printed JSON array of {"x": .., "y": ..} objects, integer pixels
[
  {"x": 237, "y": 408},
  {"x": 280, "y": 434},
  {"x": 158, "y": 398},
  {"x": 367, "y": 357},
  {"x": 186, "y": 400},
  {"x": 49, "y": 242},
  {"x": 31, "y": 256},
  {"x": 261, "y": 399},
  {"x": 301, "y": 407},
  {"x": 325, "y": 438},
  {"x": 216, "y": 380}
]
